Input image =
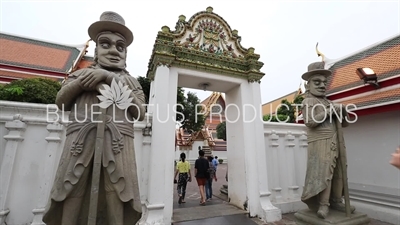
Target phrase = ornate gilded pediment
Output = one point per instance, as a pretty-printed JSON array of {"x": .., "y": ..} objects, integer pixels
[
  {"x": 205, "y": 42},
  {"x": 209, "y": 34}
]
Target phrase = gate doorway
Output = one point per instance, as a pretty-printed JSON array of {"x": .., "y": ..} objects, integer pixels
[{"x": 202, "y": 50}]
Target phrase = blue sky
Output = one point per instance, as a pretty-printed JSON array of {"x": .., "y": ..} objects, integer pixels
[{"x": 283, "y": 32}]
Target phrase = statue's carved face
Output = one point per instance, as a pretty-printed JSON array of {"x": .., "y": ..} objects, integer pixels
[
  {"x": 317, "y": 85},
  {"x": 111, "y": 51}
]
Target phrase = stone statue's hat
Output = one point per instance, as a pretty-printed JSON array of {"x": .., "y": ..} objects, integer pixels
[
  {"x": 110, "y": 21},
  {"x": 316, "y": 68}
]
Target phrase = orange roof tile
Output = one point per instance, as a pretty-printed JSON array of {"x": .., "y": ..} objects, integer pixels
[
  {"x": 29, "y": 53},
  {"x": 383, "y": 58}
]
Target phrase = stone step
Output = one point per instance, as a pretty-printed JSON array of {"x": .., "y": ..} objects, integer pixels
[{"x": 203, "y": 212}]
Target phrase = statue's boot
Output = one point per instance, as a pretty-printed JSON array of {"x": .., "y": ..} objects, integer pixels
[
  {"x": 338, "y": 205},
  {"x": 323, "y": 211},
  {"x": 336, "y": 199}
]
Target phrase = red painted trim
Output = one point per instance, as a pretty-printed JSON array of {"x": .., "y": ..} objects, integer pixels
[
  {"x": 365, "y": 88},
  {"x": 8, "y": 79},
  {"x": 17, "y": 69},
  {"x": 376, "y": 110},
  {"x": 370, "y": 111}
]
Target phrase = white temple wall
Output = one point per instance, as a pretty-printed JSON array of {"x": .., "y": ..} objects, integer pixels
[
  {"x": 30, "y": 149},
  {"x": 374, "y": 184}
]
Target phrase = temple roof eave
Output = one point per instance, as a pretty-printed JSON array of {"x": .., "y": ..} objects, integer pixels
[{"x": 210, "y": 64}]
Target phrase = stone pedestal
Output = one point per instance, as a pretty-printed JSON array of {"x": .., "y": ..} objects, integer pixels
[
  {"x": 308, "y": 217},
  {"x": 224, "y": 189}
]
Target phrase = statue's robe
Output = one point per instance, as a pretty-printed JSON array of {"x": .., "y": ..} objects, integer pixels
[
  {"x": 118, "y": 159},
  {"x": 323, "y": 150}
]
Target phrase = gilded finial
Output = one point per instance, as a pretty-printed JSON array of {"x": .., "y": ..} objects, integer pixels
[
  {"x": 320, "y": 53},
  {"x": 165, "y": 29},
  {"x": 182, "y": 18}
]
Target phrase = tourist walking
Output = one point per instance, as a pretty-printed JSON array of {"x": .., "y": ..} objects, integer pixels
[
  {"x": 201, "y": 172},
  {"x": 215, "y": 162},
  {"x": 212, "y": 175},
  {"x": 183, "y": 170}
]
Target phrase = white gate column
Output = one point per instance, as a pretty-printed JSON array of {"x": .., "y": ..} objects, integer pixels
[
  {"x": 266, "y": 211},
  {"x": 158, "y": 206}
]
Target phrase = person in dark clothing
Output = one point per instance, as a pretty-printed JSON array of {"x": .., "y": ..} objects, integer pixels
[
  {"x": 211, "y": 176},
  {"x": 201, "y": 173}
]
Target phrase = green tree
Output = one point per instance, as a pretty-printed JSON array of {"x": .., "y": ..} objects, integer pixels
[
  {"x": 145, "y": 83},
  {"x": 186, "y": 107},
  {"x": 286, "y": 112},
  {"x": 221, "y": 131},
  {"x": 180, "y": 101},
  {"x": 33, "y": 90},
  {"x": 298, "y": 100},
  {"x": 275, "y": 118},
  {"x": 193, "y": 121}
]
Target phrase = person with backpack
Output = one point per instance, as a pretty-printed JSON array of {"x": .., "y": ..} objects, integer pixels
[{"x": 212, "y": 175}]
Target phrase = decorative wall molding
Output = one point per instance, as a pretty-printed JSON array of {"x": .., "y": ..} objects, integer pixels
[{"x": 15, "y": 136}]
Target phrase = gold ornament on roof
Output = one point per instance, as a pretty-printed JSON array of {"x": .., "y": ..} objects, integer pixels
[{"x": 320, "y": 53}]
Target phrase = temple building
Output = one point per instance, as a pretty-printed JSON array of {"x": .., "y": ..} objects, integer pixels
[
  {"x": 377, "y": 90},
  {"x": 23, "y": 57},
  {"x": 214, "y": 113},
  {"x": 368, "y": 79},
  {"x": 272, "y": 107}
]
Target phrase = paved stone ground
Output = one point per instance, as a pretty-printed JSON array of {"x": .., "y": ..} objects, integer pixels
[{"x": 218, "y": 211}]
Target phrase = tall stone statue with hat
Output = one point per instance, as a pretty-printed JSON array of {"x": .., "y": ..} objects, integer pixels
[
  {"x": 326, "y": 177},
  {"x": 86, "y": 94}
]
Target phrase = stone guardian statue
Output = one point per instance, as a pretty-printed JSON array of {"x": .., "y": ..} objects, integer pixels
[
  {"x": 84, "y": 94},
  {"x": 324, "y": 184}
]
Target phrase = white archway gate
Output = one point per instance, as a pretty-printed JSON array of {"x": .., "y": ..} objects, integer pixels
[{"x": 204, "y": 49}]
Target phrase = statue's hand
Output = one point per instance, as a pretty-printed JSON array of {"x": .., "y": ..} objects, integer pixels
[
  {"x": 90, "y": 80},
  {"x": 337, "y": 107}
]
